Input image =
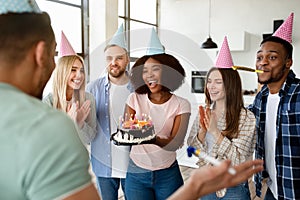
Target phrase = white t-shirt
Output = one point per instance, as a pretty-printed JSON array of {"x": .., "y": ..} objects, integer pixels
[
  {"x": 119, "y": 154},
  {"x": 270, "y": 141}
]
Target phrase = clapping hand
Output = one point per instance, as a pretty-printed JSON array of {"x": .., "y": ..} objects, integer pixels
[
  {"x": 208, "y": 123},
  {"x": 211, "y": 122},
  {"x": 203, "y": 123},
  {"x": 202, "y": 118},
  {"x": 79, "y": 114}
]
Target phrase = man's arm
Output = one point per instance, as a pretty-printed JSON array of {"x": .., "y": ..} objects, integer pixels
[{"x": 209, "y": 179}]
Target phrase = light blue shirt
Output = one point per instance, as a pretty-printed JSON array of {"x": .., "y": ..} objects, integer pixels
[{"x": 101, "y": 145}]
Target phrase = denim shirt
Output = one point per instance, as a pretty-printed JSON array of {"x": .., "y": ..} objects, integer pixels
[{"x": 101, "y": 145}]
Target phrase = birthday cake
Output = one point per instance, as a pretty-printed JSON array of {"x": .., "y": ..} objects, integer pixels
[{"x": 135, "y": 131}]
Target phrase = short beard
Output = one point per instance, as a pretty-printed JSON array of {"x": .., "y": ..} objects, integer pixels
[
  {"x": 117, "y": 75},
  {"x": 272, "y": 80}
]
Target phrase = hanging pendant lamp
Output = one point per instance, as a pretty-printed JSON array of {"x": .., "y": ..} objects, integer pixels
[{"x": 209, "y": 44}]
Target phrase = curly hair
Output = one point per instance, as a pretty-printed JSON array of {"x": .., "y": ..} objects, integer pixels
[{"x": 172, "y": 78}]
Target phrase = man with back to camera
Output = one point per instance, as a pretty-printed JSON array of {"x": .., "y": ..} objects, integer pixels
[
  {"x": 41, "y": 154},
  {"x": 278, "y": 142}
]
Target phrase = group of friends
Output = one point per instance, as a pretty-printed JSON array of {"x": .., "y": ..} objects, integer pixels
[{"x": 44, "y": 150}]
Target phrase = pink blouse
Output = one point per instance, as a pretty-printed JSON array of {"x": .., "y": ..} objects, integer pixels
[{"x": 151, "y": 156}]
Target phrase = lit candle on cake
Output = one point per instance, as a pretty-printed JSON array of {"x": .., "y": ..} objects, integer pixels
[
  {"x": 149, "y": 120},
  {"x": 121, "y": 121},
  {"x": 143, "y": 116}
]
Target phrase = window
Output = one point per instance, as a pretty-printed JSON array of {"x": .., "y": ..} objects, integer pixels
[
  {"x": 136, "y": 15},
  {"x": 65, "y": 17},
  {"x": 138, "y": 9},
  {"x": 69, "y": 16}
]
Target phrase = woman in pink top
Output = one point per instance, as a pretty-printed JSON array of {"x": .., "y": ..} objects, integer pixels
[{"x": 153, "y": 172}]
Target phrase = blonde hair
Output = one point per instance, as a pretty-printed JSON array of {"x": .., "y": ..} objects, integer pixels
[{"x": 60, "y": 82}]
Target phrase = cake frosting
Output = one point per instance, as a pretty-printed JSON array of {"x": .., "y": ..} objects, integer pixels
[{"x": 135, "y": 130}]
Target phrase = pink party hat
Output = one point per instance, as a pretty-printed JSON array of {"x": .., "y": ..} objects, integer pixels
[
  {"x": 66, "y": 48},
  {"x": 224, "y": 59},
  {"x": 285, "y": 30}
]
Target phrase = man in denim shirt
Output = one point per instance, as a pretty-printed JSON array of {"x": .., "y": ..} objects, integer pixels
[{"x": 109, "y": 162}]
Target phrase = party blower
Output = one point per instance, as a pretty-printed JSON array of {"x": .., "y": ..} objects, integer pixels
[
  {"x": 200, "y": 154},
  {"x": 247, "y": 69}
]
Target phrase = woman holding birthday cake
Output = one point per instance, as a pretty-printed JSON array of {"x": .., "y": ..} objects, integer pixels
[{"x": 153, "y": 172}]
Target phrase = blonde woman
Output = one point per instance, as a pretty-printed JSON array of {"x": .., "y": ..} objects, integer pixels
[{"x": 69, "y": 95}]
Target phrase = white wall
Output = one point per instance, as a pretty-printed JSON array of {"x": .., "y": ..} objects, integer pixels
[
  {"x": 231, "y": 18},
  {"x": 103, "y": 24},
  {"x": 243, "y": 21}
]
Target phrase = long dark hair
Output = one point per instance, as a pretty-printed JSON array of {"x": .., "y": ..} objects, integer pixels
[{"x": 234, "y": 99}]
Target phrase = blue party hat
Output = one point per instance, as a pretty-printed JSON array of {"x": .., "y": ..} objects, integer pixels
[
  {"x": 119, "y": 38},
  {"x": 155, "y": 46},
  {"x": 18, "y": 6}
]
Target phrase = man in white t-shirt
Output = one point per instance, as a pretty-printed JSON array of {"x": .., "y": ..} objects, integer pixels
[
  {"x": 109, "y": 161},
  {"x": 277, "y": 111}
]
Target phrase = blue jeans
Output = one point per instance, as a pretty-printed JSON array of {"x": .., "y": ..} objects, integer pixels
[
  {"x": 152, "y": 185},
  {"x": 269, "y": 195},
  {"x": 108, "y": 187},
  {"x": 239, "y": 192}
]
